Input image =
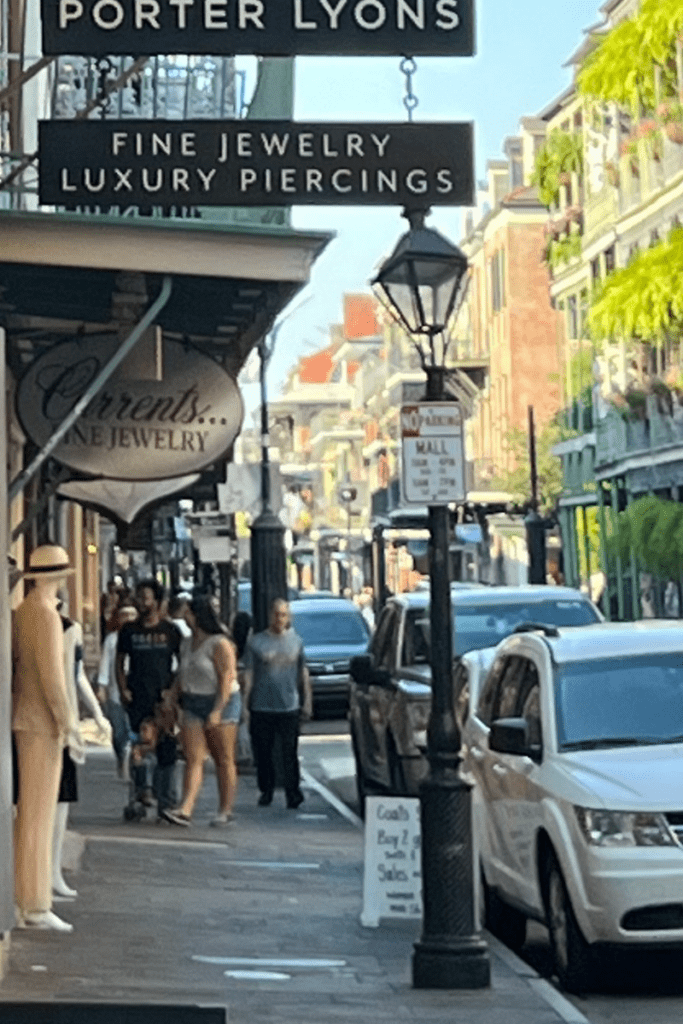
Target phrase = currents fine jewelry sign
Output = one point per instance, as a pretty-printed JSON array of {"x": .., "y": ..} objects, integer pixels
[
  {"x": 255, "y": 163},
  {"x": 132, "y": 429},
  {"x": 281, "y": 28}
]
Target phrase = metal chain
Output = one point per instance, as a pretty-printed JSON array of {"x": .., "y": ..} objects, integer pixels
[
  {"x": 408, "y": 67},
  {"x": 104, "y": 67}
]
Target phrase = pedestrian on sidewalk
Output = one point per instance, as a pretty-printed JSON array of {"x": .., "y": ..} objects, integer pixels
[
  {"x": 109, "y": 689},
  {"x": 210, "y": 701},
  {"x": 277, "y": 696},
  {"x": 158, "y": 737},
  {"x": 146, "y": 658}
]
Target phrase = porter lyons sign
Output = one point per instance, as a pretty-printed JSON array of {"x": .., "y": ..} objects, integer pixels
[
  {"x": 255, "y": 163},
  {"x": 132, "y": 429},
  {"x": 277, "y": 28}
]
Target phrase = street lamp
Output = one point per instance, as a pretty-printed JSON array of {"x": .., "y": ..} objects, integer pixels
[
  {"x": 420, "y": 284},
  {"x": 347, "y": 495},
  {"x": 268, "y": 559}
]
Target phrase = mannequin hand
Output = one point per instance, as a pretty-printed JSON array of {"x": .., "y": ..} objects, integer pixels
[{"x": 103, "y": 729}]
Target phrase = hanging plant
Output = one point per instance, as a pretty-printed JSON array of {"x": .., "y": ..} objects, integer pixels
[
  {"x": 620, "y": 69},
  {"x": 653, "y": 529},
  {"x": 643, "y": 299},
  {"x": 670, "y": 114},
  {"x": 648, "y": 130},
  {"x": 562, "y": 250},
  {"x": 556, "y": 160}
]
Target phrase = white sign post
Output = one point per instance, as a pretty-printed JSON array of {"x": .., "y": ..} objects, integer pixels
[
  {"x": 392, "y": 879},
  {"x": 433, "y": 453}
]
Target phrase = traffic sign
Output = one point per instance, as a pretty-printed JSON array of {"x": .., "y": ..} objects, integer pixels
[{"x": 433, "y": 453}]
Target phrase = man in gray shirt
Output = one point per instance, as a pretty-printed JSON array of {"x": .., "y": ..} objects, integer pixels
[{"x": 277, "y": 696}]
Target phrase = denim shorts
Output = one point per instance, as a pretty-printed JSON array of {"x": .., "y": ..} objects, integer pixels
[{"x": 197, "y": 708}]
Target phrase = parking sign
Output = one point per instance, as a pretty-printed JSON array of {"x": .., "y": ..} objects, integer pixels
[{"x": 433, "y": 453}]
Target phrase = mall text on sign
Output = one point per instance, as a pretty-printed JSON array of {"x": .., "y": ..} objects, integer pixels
[
  {"x": 392, "y": 876},
  {"x": 247, "y": 163},
  {"x": 276, "y": 28},
  {"x": 432, "y": 453}
]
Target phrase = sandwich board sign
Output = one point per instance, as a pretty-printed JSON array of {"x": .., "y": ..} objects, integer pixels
[{"x": 392, "y": 877}]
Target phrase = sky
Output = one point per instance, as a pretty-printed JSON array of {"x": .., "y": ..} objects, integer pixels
[{"x": 516, "y": 72}]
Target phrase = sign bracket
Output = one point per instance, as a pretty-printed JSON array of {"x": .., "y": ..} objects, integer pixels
[{"x": 19, "y": 483}]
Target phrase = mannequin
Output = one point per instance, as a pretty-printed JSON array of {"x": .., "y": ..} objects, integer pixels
[
  {"x": 43, "y": 723},
  {"x": 77, "y": 685}
]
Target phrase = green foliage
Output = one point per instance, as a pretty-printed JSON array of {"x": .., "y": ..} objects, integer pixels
[
  {"x": 562, "y": 153},
  {"x": 581, "y": 373},
  {"x": 621, "y": 67},
  {"x": 643, "y": 299},
  {"x": 562, "y": 250},
  {"x": 653, "y": 529},
  {"x": 589, "y": 517},
  {"x": 517, "y": 482}
]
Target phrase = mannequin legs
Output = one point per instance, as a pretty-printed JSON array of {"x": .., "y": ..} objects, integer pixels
[
  {"x": 39, "y": 759},
  {"x": 59, "y": 886}
]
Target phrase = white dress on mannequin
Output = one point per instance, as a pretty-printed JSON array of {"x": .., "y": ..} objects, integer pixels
[{"x": 77, "y": 685}]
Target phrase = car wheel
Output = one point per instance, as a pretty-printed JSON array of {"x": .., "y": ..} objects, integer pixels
[
  {"x": 505, "y": 922},
  {"x": 361, "y": 785},
  {"x": 572, "y": 956}
]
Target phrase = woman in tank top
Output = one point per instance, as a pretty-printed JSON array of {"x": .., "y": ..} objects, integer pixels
[{"x": 209, "y": 697}]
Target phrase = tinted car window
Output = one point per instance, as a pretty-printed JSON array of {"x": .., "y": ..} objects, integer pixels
[
  {"x": 333, "y": 627},
  {"x": 620, "y": 701},
  {"x": 486, "y": 626}
]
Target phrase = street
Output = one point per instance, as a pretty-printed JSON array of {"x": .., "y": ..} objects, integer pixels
[{"x": 636, "y": 987}]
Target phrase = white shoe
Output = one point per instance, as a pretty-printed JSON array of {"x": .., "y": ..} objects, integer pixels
[
  {"x": 60, "y": 888},
  {"x": 45, "y": 920}
]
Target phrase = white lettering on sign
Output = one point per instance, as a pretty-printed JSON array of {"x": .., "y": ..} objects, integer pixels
[
  {"x": 306, "y": 15},
  {"x": 392, "y": 878}
]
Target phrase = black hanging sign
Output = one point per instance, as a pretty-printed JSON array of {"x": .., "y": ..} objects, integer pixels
[
  {"x": 276, "y": 28},
  {"x": 255, "y": 163}
]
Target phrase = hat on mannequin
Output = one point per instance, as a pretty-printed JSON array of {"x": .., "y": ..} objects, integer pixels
[{"x": 48, "y": 561}]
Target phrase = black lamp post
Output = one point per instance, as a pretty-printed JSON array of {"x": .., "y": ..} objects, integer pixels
[
  {"x": 268, "y": 558},
  {"x": 420, "y": 284}
]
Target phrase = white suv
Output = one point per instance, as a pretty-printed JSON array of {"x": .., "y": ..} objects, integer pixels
[{"x": 575, "y": 741}]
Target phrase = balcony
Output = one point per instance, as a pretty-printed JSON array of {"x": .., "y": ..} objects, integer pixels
[{"x": 618, "y": 438}]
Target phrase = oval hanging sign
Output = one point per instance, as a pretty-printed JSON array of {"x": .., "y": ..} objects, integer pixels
[{"x": 132, "y": 429}]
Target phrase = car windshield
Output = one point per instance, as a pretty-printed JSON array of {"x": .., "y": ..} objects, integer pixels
[
  {"x": 612, "y": 702},
  {"x": 481, "y": 626},
  {"x": 320, "y": 628},
  {"x": 486, "y": 626}
]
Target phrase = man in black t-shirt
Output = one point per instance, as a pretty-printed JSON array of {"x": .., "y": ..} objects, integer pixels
[{"x": 145, "y": 666}]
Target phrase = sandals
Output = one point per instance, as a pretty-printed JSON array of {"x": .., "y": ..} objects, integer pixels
[
  {"x": 176, "y": 817},
  {"x": 221, "y": 819}
]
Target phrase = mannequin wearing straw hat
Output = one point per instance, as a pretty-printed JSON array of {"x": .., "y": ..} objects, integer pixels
[{"x": 43, "y": 723}]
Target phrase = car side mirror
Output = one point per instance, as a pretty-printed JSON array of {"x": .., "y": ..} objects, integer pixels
[
  {"x": 511, "y": 736},
  {"x": 364, "y": 674}
]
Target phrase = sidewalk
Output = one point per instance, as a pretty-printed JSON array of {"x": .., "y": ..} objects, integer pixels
[{"x": 261, "y": 917}]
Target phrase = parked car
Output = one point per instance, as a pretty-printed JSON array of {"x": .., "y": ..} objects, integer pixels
[
  {"x": 576, "y": 745},
  {"x": 333, "y": 631},
  {"x": 244, "y": 595},
  {"x": 390, "y": 696}
]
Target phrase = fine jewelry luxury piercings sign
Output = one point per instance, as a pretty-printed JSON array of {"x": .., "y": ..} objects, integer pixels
[{"x": 255, "y": 163}]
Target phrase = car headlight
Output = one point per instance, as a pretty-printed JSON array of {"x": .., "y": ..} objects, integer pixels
[{"x": 624, "y": 828}]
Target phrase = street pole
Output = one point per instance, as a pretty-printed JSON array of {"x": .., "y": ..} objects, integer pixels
[
  {"x": 450, "y": 953},
  {"x": 535, "y": 526},
  {"x": 268, "y": 562}
]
